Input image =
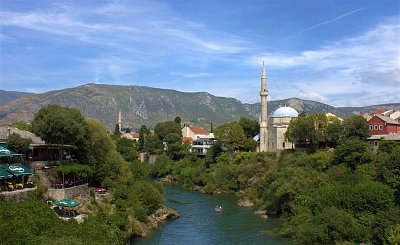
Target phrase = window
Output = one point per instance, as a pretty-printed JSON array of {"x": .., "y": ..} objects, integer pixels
[
  {"x": 283, "y": 144},
  {"x": 371, "y": 127},
  {"x": 376, "y": 127},
  {"x": 380, "y": 127},
  {"x": 376, "y": 143}
]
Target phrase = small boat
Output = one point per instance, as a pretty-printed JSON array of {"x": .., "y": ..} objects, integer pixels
[{"x": 218, "y": 209}]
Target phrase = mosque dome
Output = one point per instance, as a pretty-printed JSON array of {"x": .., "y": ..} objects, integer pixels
[{"x": 285, "y": 111}]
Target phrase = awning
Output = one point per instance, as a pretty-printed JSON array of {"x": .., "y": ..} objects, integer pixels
[
  {"x": 4, "y": 174},
  {"x": 6, "y": 152},
  {"x": 17, "y": 169},
  {"x": 66, "y": 203}
]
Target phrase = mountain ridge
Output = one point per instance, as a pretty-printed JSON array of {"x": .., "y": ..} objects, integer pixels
[{"x": 146, "y": 105}]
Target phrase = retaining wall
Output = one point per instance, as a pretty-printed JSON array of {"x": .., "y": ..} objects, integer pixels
[{"x": 70, "y": 193}]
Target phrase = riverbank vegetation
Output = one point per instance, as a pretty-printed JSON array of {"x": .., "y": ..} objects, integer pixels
[
  {"x": 341, "y": 195},
  {"x": 109, "y": 164}
]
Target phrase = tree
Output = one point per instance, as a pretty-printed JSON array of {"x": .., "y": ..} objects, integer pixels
[
  {"x": 162, "y": 129},
  {"x": 352, "y": 152},
  {"x": 178, "y": 120},
  {"x": 17, "y": 143},
  {"x": 117, "y": 130},
  {"x": 143, "y": 133},
  {"x": 320, "y": 123},
  {"x": 22, "y": 125},
  {"x": 302, "y": 130},
  {"x": 355, "y": 126},
  {"x": 250, "y": 127},
  {"x": 153, "y": 145},
  {"x": 230, "y": 135},
  {"x": 388, "y": 161},
  {"x": 334, "y": 131},
  {"x": 125, "y": 147},
  {"x": 59, "y": 125}
]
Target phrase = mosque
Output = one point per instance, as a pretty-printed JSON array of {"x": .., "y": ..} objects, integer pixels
[{"x": 273, "y": 128}]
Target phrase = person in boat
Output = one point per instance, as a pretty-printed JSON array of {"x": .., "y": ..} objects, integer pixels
[{"x": 218, "y": 209}]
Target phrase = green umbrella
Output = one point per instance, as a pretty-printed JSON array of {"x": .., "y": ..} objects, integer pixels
[
  {"x": 66, "y": 203},
  {"x": 18, "y": 169}
]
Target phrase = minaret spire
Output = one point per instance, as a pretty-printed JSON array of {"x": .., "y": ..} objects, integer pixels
[
  {"x": 264, "y": 109},
  {"x": 119, "y": 121}
]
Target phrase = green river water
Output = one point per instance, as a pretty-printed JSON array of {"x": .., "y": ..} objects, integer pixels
[{"x": 200, "y": 224}]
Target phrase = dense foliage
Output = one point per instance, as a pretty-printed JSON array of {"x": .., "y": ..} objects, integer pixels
[
  {"x": 17, "y": 143},
  {"x": 103, "y": 159},
  {"x": 337, "y": 196},
  {"x": 22, "y": 125}
]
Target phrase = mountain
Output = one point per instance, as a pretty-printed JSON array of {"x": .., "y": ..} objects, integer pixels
[
  {"x": 144, "y": 105},
  {"x": 370, "y": 109},
  {"x": 6, "y": 96}
]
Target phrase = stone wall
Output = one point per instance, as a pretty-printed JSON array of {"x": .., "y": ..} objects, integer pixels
[
  {"x": 70, "y": 193},
  {"x": 18, "y": 195}
]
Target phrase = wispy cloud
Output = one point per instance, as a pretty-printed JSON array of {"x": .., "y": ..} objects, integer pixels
[
  {"x": 333, "y": 19},
  {"x": 345, "y": 66}
]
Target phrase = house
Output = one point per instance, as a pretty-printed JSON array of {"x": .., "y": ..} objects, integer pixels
[
  {"x": 330, "y": 116},
  {"x": 195, "y": 132},
  {"x": 375, "y": 139},
  {"x": 378, "y": 111},
  {"x": 395, "y": 115},
  {"x": 381, "y": 125},
  {"x": 131, "y": 136},
  {"x": 200, "y": 146}
]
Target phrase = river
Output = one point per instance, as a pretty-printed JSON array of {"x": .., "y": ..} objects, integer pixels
[{"x": 200, "y": 224}]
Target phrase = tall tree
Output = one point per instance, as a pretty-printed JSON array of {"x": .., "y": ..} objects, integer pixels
[
  {"x": 230, "y": 135},
  {"x": 178, "y": 120},
  {"x": 59, "y": 125},
  {"x": 250, "y": 127},
  {"x": 162, "y": 129},
  {"x": 143, "y": 133},
  {"x": 334, "y": 130},
  {"x": 302, "y": 130},
  {"x": 355, "y": 126},
  {"x": 117, "y": 130}
]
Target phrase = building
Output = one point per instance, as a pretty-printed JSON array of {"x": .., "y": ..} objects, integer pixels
[
  {"x": 375, "y": 139},
  {"x": 278, "y": 123},
  {"x": 201, "y": 146},
  {"x": 331, "y": 116},
  {"x": 131, "y": 136},
  {"x": 194, "y": 132},
  {"x": 395, "y": 115},
  {"x": 382, "y": 125}
]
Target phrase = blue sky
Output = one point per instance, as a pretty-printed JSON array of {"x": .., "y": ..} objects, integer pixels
[{"x": 340, "y": 52}]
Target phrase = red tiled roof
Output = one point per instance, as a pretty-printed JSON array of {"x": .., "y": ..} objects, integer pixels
[
  {"x": 135, "y": 135},
  {"x": 379, "y": 111},
  {"x": 198, "y": 130}
]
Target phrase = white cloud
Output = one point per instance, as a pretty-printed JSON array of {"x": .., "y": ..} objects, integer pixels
[
  {"x": 367, "y": 62},
  {"x": 311, "y": 96}
]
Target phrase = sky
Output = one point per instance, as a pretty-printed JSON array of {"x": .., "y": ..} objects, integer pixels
[{"x": 339, "y": 52}]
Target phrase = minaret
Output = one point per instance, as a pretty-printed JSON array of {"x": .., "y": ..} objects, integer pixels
[
  {"x": 264, "y": 117},
  {"x": 119, "y": 121}
]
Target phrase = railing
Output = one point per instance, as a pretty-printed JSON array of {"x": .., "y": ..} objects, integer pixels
[{"x": 67, "y": 184}]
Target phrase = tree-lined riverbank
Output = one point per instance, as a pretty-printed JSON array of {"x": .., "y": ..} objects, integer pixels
[{"x": 200, "y": 224}]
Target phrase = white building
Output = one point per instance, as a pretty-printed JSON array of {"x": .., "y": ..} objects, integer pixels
[
  {"x": 194, "y": 132},
  {"x": 278, "y": 123}
]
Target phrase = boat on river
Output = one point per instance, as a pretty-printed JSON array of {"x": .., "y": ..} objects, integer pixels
[{"x": 218, "y": 209}]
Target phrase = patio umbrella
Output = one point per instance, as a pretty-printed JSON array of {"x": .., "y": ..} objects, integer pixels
[{"x": 66, "y": 203}]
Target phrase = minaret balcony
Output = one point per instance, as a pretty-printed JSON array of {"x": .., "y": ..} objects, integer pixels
[{"x": 264, "y": 93}]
